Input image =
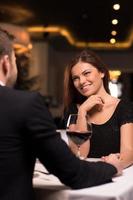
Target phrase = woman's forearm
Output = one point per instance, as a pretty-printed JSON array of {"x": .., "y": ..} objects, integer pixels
[{"x": 126, "y": 158}]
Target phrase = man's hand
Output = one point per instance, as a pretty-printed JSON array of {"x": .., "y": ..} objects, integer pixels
[{"x": 114, "y": 159}]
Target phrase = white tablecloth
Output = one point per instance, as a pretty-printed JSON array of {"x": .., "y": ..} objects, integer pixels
[{"x": 49, "y": 187}]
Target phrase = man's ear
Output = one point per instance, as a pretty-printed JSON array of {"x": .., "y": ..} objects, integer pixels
[{"x": 5, "y": 65}]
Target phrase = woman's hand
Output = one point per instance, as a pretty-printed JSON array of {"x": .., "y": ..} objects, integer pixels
[
  {"x": 114, "y": 159},
  {"x": 94, "y": 100}
]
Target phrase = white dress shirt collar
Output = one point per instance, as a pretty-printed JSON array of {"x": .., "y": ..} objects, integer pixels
[{"x": 1, "y": 83}]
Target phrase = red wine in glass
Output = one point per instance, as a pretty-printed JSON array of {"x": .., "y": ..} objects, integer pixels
[{"x": 78, "y": 133}]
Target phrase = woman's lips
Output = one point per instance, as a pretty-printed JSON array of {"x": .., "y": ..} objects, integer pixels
[{"x": 85, "y": 88}]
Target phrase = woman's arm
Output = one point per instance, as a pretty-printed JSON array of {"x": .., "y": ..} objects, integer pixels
[
  {"x": 126, "y": 144},
  {"x": 83, "y": 110}
]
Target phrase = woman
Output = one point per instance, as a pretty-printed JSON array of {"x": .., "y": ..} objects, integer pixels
[{"x": 86, "y": 93}]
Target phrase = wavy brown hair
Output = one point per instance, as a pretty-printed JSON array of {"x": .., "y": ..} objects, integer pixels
[{"x": 71, "y": 95}]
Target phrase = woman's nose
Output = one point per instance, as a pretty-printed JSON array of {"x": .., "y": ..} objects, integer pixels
[{"x": 82, "y": 79}]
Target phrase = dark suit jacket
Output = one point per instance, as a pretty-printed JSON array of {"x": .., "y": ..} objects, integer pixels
[{"x": 27, "y": 131}]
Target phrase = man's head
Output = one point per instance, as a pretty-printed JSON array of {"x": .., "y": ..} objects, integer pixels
[{"x": 8, "y": 69}]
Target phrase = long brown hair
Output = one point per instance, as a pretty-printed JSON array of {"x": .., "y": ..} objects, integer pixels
[{"x": 70, "y": 92}]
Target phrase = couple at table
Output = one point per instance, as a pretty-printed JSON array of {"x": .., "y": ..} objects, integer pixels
[
  {"x": 86, "y": 93},
  {"x": 27, "y": 132}
]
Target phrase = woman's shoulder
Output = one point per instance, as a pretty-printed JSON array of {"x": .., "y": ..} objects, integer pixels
[
  {"x": 125, "y": 104},
  {"x": 125, "y": 111}
]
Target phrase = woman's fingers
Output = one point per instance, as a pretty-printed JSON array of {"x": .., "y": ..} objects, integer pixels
[{"x": 112, "y": 155}]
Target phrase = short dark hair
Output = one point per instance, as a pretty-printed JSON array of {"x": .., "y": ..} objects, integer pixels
[{"x": 6, "y": 43}]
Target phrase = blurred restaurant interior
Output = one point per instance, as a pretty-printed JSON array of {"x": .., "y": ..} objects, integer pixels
[{"x": 49, "y": 33}]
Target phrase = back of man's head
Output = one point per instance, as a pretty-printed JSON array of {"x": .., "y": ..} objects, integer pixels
[{"x": 6, "y": 43}]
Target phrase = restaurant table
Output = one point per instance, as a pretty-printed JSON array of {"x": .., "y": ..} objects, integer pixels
[{"x": 48, "y": 187}]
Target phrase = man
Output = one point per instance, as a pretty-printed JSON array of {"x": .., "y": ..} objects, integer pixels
[{"x": 27, "y": 132}]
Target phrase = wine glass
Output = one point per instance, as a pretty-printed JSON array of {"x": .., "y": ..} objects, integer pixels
[{"x": 79, "y": 130}]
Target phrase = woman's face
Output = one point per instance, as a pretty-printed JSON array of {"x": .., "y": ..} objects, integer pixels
[{"x": 87, "y": 79}]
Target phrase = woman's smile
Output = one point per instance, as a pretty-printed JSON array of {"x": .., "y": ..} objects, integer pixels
[{"x": 85, "y": 88}]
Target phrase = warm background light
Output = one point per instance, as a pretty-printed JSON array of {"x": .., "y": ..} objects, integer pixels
[
  {"x": 114, "y": 21},
  {"x": 114, "y": 33},
  {"x": 116, "y": 6},
  {"x": 112, "y": 40},
  {"x": 114, "y": 74}
]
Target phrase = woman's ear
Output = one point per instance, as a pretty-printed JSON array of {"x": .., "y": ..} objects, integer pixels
[{"x": 102, "y": 75}]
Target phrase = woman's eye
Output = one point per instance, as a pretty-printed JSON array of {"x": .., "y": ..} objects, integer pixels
[
  {"x": 86, "y": 73},
  {"x": 75, "y": 78}
]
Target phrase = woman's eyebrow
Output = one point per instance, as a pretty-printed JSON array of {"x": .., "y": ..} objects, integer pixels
[
  {"x": 86, "y": 70},
  {"x": 74, "y": 76}
]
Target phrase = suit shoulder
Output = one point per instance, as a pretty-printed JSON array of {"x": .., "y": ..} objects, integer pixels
[{"x": 19, "y": 96}]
